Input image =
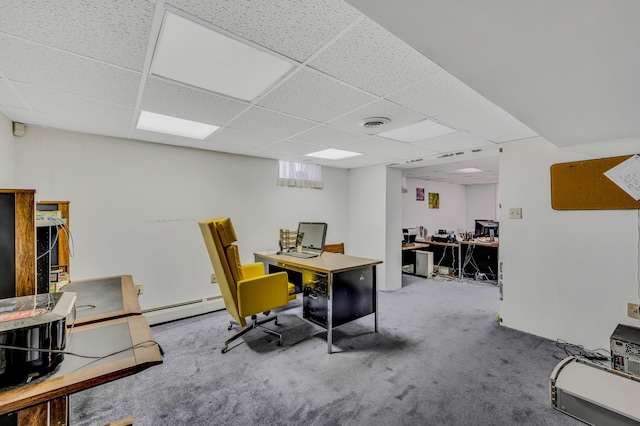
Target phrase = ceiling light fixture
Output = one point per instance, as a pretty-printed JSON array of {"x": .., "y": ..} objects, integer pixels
[
  {"x": 421, "y": 130},
  {"x": 333, "y": 154},
  {"x": 374, "y": 122},
  {"x": 167, "y": 124},
  {"x": 196, "y": 55},
  {"x": 467, "y": 170}
]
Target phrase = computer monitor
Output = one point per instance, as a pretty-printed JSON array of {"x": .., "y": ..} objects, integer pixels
[
  {"x": 313, "y": 235},
  {"x": 484, "y": 228}
]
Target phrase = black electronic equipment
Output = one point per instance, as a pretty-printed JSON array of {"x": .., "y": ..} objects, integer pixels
[
  {"x": 311, "y": 236},
  {"x": 625, "y": 349},
  {"x": 484, "y": 228},
  {"x": 33, "y": 334}
]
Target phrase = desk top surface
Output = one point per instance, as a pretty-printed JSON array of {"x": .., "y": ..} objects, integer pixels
[
  {"x": 100, "y": 299},
  {"x": 113, "y": 341},
  {"x": 327, "y": 262},
  {"x": 413, "y": 246}
]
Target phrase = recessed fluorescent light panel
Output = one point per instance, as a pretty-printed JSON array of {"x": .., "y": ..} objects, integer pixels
[
  {"x": 333, "y": 154},
  {"x": 196, "y": 55},
  {"x": 467, "y": 170},
  {"x": 174, "y": 126},
  {"x": 424, "y": 129}
]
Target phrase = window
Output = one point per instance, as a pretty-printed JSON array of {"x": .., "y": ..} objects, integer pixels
[{"x": 300, "y": 175}]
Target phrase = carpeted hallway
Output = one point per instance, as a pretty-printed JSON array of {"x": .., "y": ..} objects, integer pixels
[{"x": 440, "y": 358}]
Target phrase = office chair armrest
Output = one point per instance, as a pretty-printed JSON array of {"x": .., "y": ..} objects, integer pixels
[
  {"x": 262, "y": 294},
  {"x": 252, "y": 270}
]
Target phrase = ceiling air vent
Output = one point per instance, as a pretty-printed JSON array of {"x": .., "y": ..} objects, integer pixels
[{"x": 374, "y": 122}]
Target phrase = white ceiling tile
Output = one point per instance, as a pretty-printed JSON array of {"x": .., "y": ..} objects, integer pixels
[
  {"x": 295, "y": 29},
  {"x": 40, "y": 66},
  {"x": 165, "y": 139},
  {"x": 270, "y": 123},
  {"x": 9, "y": 96},
  {"x": 311, "y": 95},
  {"x": 398, "y": 115},
  {"x": 231, "y": 140},
  {"x": 181, "y": 101},
  {"x": 21, "y": 115},
  {"x": 453, "y": 142},
  {"x": 328, "y": 136},
  {"x": 293, "y": 148},
  {"x": 368, "y": 47},
  {"x": 437, "y": 94},
  {"x": 488, "y": 121},
  {"x": 385, "y": 148},
  {"x": 88, "y": 110},
  {"x": 95, "y": 29},
  {"x": 105, "y": 126}
]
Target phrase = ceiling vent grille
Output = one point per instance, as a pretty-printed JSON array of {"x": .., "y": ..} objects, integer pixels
[{"x": 374, "y": 122}]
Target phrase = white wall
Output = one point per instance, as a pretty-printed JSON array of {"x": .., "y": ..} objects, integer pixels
[
  {"x": 7, "y": 153},
  {"x": 135, "y": 206},
  {"x": 370, "y": 195},
  {"x": 566, "y": 274},
  {"x": 451, "y": 214},
  {"x": 482, "y": 203}
]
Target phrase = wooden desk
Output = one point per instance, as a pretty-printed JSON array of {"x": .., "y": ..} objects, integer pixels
[
  {"x": 101, "y": 299},
  {"x": 115, "y": 323},
  {"x": 336, "y": 288},
  {"x": 75, "y": 374}
]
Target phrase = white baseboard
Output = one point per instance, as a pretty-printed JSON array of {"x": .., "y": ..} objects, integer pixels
[{"x": 183, "y": 310}]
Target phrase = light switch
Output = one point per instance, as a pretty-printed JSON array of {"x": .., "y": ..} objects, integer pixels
[{"x": 515, "y": 213}]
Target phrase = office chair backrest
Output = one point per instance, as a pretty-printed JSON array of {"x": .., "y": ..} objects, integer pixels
[
  {"x": 334, "y": 248},
  {"x": 219, "y": 236}
]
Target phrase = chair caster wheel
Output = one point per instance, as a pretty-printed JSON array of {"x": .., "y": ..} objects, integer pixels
[{"x": 225, "y": 349}]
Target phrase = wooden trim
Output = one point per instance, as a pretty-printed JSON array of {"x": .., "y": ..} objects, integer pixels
[{"x": 25, "y": 243}]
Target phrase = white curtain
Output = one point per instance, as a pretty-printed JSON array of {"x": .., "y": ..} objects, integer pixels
[{"x": 300, "y": 175}]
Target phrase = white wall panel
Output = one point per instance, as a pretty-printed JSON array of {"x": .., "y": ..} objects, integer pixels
[
  {"x": 135, "y": 206},
  {"x": 566, "y": 274},
  {"x": 7, "y": 143}
]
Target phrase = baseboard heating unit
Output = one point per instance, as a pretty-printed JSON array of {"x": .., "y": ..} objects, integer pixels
[{"x": 595, "y": 394}]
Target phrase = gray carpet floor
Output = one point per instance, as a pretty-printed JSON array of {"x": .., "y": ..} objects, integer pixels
[{"x": 439, "y": 358}]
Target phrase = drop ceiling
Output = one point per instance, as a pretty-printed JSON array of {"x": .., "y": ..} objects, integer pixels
[{"x": 86, "y": 66}]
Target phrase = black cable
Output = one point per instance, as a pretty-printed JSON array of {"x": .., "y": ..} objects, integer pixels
[
  {"x": 571, "y": 349},
  {"x": 63, "y": 352}
]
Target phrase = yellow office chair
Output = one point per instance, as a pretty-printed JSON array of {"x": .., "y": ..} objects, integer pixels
[{"x": 246, "y": 290}]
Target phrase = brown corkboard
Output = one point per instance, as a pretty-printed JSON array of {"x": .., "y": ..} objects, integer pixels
[{"x": 582, "y": 185}]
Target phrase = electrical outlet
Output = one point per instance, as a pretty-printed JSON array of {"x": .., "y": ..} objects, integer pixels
[
  {"x": 632, "y": 310},
  {"x": 214, "y": 279},
  {"x": 515, "y": 213},
  {"x": 139, "y": 288}
]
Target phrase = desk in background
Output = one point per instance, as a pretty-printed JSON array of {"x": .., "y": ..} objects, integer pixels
[
  {"x": 336, "y": 288},
  {"x": 410, "y": 260},
  {"x": 479, "y": 258},
  {"x": 475, "y": 258},
  {"x": 100, "y": 332}
]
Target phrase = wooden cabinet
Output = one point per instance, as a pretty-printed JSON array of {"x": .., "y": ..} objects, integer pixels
[{"x": 17, "y": 243}]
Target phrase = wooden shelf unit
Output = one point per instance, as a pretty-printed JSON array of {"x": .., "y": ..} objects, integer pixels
[{"x": 17, "y": 242}]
